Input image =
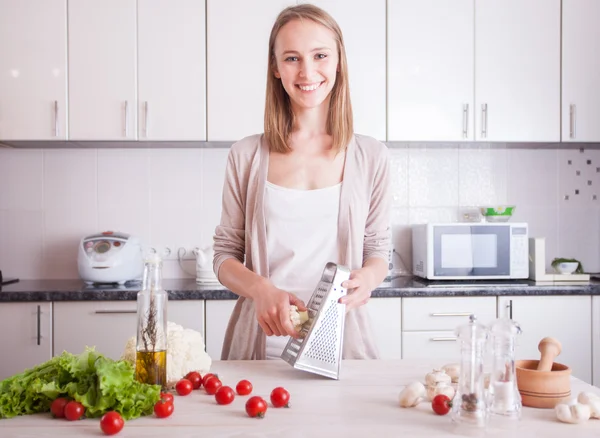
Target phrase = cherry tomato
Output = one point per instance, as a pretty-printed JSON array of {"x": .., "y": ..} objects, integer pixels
[
  {"x": 167, "y": 397},
  {"x": 280, "y": 397},
  {"x": 256, "y": 407},
  {"x": 212, "y": 385},
  {"x": 58, "y": 407},
  {"x": 184, "y": 387},
  {"x": 195, "y": 378},
  {"x": 441, "y": 404},
  {"x": 208, "y": 376},
  {"x": 74, "y": 411},
  {"x": 244, "y": 387},
  {"x": 111, "y": 423},
  {"x": 224, "y": 395},
  {"x": 163, "y": 408}
]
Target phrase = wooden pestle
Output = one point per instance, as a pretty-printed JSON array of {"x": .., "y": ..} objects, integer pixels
[{"x": 550, "y": 348}]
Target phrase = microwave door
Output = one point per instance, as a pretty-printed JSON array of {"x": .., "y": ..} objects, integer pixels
[{"x": 478, "y": 251}]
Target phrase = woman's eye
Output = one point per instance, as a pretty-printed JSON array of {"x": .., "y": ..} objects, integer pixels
[
  {"x": 321, "y": 56},
  {"x": 291, "y": 58}
]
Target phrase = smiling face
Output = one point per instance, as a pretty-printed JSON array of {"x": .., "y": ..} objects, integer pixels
[{"x": 306, "y": 61}]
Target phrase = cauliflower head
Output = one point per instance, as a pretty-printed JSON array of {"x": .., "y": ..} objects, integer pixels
[
  {"x": 185, "y": 352},
  {"x": 298, "y": 317}
]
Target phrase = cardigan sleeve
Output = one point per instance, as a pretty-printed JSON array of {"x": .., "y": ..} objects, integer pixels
[
  {"x": 229, "y": 238},
  {"x": 377, "y": 240}
]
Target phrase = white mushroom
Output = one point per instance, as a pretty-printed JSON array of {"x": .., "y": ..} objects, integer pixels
[
  {"x": 412, "y": 394},
  {"x": 592, "y": 400},
  {"x": 574, "y": 413},
  {"x": 453, "y": 370}
]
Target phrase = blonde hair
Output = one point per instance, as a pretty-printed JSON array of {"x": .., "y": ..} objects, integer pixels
[{"x": 278, "y": 111}]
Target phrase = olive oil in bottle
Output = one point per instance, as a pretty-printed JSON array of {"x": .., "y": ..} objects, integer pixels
[{"x": 151, "y": 342}]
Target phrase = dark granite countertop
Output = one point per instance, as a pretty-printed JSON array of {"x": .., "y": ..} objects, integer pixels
[{"x": 187, "y": 289}]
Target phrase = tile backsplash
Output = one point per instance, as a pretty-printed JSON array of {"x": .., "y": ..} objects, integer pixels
[{"x": 171, "y": 197}]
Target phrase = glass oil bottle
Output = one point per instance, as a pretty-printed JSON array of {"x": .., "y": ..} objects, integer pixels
[
  {"x": 469, "y": 407},
  {"x": 151, "y": 342}
]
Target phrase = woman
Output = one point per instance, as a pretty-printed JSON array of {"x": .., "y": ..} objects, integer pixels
[{"x": 306, "y": 192}]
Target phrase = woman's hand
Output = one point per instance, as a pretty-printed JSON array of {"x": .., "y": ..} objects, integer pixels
[
  {"x": 272, "y": 308},
  {"x": 362, "y": 282}
]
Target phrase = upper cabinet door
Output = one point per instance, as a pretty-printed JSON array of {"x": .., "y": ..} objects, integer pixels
[
  {"x": 430, "y": 70},
  {"x": 581, "y": 71},
  {"x": 238, "y": 42},
  {"x": 363, "y": 28},
  {"x": 171, "y": 70},
  {"x": 33, "y": 69},
  {"x": 102, "y": 70},
  {"x": 517, "y": 70}
]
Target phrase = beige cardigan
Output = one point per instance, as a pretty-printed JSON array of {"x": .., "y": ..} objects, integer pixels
[{"x": 363, "y": 232}]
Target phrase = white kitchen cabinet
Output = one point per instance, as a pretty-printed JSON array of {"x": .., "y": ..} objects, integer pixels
[
  {"x": 429, "y": 324},
  {"x": 237, "y": 65},
  {"x": 430, "y": 70},
  {"x": 171, "y": 70},
  {"x": 26, "y": 336},
  {"x": 580, "y": 71},
  {"x": 596, "y": 340},
  {"x": 218, "y": 313},
  {"x": 102, "y": 70},
  {"x": 33, "y": 69},
  {"x": 517, "y": 70},
  {"x": 107, "y": 325},
  {"x": 386, "y": 322},
  {"x": 363, "y": 26},
  {"x": 566, "y": 318}
]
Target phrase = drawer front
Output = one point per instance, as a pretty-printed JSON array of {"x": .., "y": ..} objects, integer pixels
[
  {"x": 107, "y": 325},
  {"x": 445, "y": 313},
  {"x": 440, "y": 345}
]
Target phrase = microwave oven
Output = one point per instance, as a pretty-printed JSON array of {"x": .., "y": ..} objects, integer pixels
[{"x": 459, "y": 251}]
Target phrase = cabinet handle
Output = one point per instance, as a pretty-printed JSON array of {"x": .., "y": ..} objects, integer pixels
[
  {"x": 443, "y": 339},
  {"x": 452, "y": 314},
  {"x": 146, "y": 119},
  {"x": 39, "y": 325},
  {"x": 126, "y": 118},
  {"x": 56, "y": 118},
  {"x": 115, "y": 311},
  {"x": 509, "y": 307},
  {"x": 484, "y": 120},
  {"x": 466, "y": 120},
  {"x": 572, "y": 117}
]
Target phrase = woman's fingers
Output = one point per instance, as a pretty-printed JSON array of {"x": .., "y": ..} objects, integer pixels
[{"x": 265, "y": 327}]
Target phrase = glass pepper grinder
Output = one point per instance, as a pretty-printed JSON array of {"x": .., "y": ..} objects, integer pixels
[
  {"x": 469, "y": 406},
  {"x": 504, "y": 399},
  {"x": 151, "y": 342}
]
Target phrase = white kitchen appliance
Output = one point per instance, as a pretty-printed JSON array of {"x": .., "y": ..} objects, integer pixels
[
  {"x": 470, "y": 251},
  {"x": 110, "y": 257},
  {"x": 204, "y": 265}
]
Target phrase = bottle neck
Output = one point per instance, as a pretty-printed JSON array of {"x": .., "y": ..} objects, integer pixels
[{"x": 152, "y": 276}]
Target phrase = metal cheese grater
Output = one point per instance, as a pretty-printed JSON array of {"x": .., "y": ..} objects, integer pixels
[{"x": 319, "y": 348}]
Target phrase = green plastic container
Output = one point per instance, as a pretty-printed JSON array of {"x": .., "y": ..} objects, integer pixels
[{"x": 501, "y": 213}]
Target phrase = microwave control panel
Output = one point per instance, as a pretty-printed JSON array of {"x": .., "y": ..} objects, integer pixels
[{"x": 519, "y": 252}]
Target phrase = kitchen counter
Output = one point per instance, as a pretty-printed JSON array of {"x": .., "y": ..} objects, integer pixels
[
  {"x": 364, "y": 402},
  {"x": 187, "y": 289}
]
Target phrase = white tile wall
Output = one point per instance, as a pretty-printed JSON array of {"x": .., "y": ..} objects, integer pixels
[{"x": 49, "y": 199}]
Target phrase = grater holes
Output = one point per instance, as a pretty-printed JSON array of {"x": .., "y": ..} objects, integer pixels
[{"x": 324, "y": 341}]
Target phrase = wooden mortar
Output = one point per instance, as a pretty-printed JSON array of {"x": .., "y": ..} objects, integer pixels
[{"x": 543, "y": 383}]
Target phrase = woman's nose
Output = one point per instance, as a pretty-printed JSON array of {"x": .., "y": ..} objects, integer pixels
[{"x": 307, "y": 68}]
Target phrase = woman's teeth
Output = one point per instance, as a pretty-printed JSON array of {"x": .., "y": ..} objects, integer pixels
[{"x": 310, "y": 87}]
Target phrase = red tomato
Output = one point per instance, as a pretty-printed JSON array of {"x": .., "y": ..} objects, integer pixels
[
  {"x": 184, "y": 387},
  {"x": 208, "y": 376},
  {"x": 163, "y": 409},
  {"x": 212, "y": 385},
  {"x": 441, "y": 404},
  {"x": 74, "y": 411},
  {"x": 195, "y": 378},
  {"x": 167, "y": 397},
  {"x": 280, "y": 397},
  {"x": 244, "y": 387},
  {"x": 58, "y": 407},
  {"x": 224, "y": 395},
  {"x": 111, "y": 423},
  {"x": 256, "y": 407}
]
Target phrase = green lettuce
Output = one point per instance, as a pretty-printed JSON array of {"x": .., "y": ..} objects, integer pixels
[{"x": 100, "y": 384}]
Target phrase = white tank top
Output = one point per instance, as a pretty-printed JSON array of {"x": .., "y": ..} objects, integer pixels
[{"x": 301, "y": 238}]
